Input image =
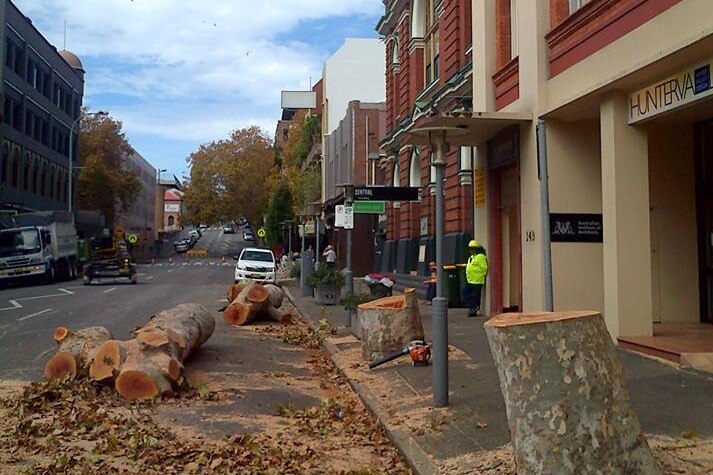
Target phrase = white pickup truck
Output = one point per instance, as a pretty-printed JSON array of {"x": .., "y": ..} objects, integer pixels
[{"x": 39, "y": 245}]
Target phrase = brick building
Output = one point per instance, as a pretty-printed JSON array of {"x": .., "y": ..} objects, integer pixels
[{"x": 428, "y": 71}]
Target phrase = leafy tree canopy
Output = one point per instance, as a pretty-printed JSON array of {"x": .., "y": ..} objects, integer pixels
[
  {"x": 104, "y": 183},
  {"x": 229, "y": 178}
]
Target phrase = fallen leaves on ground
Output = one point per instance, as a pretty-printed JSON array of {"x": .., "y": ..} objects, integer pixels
[{"x": 82, "y": 427}]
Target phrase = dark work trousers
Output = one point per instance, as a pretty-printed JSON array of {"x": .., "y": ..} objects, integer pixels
[
  {"x": 472, "y": 294},
  {"x": 430, "y": 291}
]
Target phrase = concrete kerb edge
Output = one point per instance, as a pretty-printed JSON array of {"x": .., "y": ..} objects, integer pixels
[{"x": 417, "y": 459}]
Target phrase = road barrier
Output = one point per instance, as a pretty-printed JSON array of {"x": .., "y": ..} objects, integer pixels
[{"x": 197, "y": 253}]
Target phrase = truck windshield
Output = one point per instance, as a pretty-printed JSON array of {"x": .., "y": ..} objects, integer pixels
[{"x": 19, "y": 243}]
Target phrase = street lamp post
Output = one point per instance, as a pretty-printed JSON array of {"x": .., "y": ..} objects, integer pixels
[
  {"x": 348, "y": 273},
  {"x": 437, "y": 141},
  {"x": 70, "y": 191}
]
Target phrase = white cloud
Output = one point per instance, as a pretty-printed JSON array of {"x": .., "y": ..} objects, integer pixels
[{"x": 191, "y": 69}]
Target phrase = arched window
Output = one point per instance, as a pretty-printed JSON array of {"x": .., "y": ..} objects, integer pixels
[
  {"x": 397, "y": 173},
  {"x": 395, "y": 51},
  {"x": 43, "y": 179},
  {"x": 35, "y": 174},
  {"x": 15, "y": 172},
  {"x": 414, "y": 174},
  {"x": 26, "y": 171},
  {"x": 171, "y": 221},
  {"x": 432, "y": 56},
  {"x": 418, "y": 18},
  {"x": 4, "y": 163}
]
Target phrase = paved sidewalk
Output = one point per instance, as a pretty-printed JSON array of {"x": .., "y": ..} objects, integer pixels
[{"x": 469, "y": 436}]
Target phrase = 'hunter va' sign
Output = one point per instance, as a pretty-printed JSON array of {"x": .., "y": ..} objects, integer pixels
[{"x": 686, "y": 87}]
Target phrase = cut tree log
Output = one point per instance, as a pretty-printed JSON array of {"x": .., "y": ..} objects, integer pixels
[
  {"x": 76, "y": 350},
  {"x": 277, "y": 295},
  {"x": 567, "y": 404},
  {"x": 108, "y": 360},
  {"x": 154, "y": 359},
  {"x": 245, "y": 307},
  {"x": 234, "y": 290},
  {"x": 389, "y": 324}
]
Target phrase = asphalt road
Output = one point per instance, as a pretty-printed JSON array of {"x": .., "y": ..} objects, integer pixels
[{"x": 29, "y": 315}]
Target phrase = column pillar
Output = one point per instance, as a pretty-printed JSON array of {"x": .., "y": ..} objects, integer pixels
[{"x": 627, "y": 235}]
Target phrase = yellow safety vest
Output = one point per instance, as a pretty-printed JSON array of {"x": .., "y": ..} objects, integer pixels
[{"x": 477, "y": 269}]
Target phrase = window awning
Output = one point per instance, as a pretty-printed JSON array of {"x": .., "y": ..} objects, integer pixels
[{"x": 470, "y": 128}]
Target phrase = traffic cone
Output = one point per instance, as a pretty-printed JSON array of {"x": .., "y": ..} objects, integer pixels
[{"x": 222, "y": 261}]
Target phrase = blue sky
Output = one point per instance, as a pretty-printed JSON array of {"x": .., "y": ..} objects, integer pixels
[{"x": 179, "y": 73}]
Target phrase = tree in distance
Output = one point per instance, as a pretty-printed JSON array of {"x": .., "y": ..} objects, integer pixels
[
  {"x": 279, "y": 210},
  {"x": 104, "y": 183},
  {"x": 227, "y": 178}
]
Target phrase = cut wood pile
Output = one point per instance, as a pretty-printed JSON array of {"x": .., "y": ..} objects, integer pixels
[
  {"x": 389, "y": 324},
  {"x": 250, "y": 301},
  {"x": 146, "y": 366}
]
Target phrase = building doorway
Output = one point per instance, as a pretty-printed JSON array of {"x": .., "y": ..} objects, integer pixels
[
  {"x": 505, "y": 253},
  {"x": 704, "y": 174}
]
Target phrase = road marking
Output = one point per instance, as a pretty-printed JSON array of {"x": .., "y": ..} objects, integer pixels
[
  {"x": 16, "y": 302},
  {"x": 110, "y": 290},
  {"x": 34, "y": 315},
  {"x": 169, "y": 271},
  {"x": 149, "y": 277},
  {"x": 141, "y": 273}
]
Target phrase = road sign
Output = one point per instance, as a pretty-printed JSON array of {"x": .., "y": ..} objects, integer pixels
[
  {"x": 370, "y": 207},
  {"x": 386, "y": 193},
  {"x": 348, "y": 217},
  {"x": 339, "y": 216},
  {"x": 261, "y": 233},
  {"x": 119, "y": 233},
  {"x": 133, "y": 238}
]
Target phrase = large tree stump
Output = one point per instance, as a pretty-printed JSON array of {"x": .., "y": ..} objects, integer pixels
[
  {"x": 565, "y": 393},
  {"x": 76, "y": 350},
  {"x": 389, "y": 324},
  {"x": 154, "y": 360}
]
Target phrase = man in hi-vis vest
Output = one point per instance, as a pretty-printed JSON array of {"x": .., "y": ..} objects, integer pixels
[{"x": 475, "y": 273}]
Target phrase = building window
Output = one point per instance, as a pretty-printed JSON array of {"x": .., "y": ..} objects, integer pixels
[
  {"x": 575, "y": 5},
  {"x": 395, "y": 50},
  {"x": 171, "y": 220},
  {"x": 466, "y": 158},
  {"x": 415, "y": 169},
  {"x": 35, "y": 175},
  {"x": 15, "y": 172},
  {"x": 4, "y": 164},
  {"x": 26, "y": 173},
  {"x": 397, "y": 172},
  {"x": 432, "y": 54}
]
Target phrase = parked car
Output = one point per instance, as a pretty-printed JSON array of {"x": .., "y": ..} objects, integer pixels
[
  {"x": 256, "y": 264},
  {"x": 182, "y": 245},
  {"x": 194, "y": 232},
  {"x": 228, "y": 230},
  {"x": 202, "y": 226},
  {"x": 248, "y": 236}
]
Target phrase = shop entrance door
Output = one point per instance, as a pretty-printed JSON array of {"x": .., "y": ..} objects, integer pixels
[{"x": 704, "y": 174}]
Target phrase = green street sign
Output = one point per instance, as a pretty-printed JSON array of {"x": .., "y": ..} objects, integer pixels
[{"x": 369, "y": 207}]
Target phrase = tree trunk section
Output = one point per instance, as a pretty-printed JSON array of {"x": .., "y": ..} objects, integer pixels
[
  {"x": 245, "y": 307},
  {"x": 389, "y": 324},
  {"x": 277, "y": 295},
  {"x": 76, "y": 350},
  {"x": 154, "y": 359},
  {"x": 567, "y": 404},
  {"x": 108, "y": 360}
]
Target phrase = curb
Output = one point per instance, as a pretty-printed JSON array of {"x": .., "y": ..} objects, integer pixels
[{"x": 416, "y": 458}]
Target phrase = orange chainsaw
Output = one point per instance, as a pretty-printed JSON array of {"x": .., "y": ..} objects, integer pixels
[{"x": 419, "y": 350}]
